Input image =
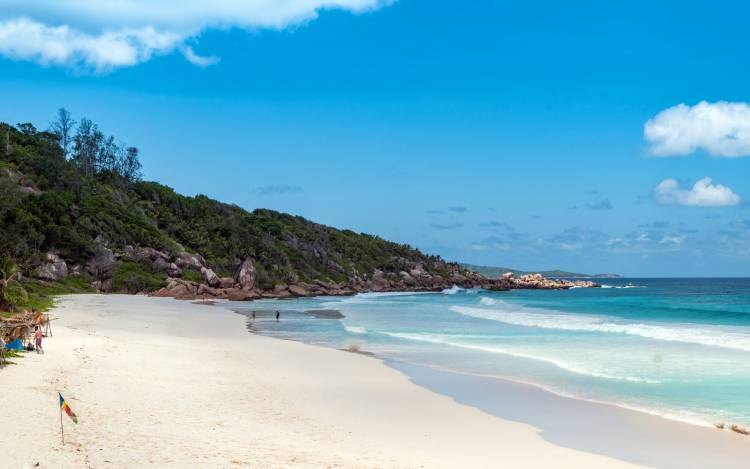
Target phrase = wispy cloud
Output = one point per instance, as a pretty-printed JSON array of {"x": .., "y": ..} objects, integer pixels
[
  {"x": 458, "y": 209},
  {"x": 656, "y": 225},
  {"x": 446, "y": 226},
  {"x": 703, "y": 194},
  {"x": 602, "y": 204},
  {"x": 493, "y": 224},
  {"x": 492, "y": 243},
  {"x": 102, "y": 35},
  {"x": 721, "y": 129},
  {"x": 273, "y": 189},
  {"x": 198, "y": 60}
]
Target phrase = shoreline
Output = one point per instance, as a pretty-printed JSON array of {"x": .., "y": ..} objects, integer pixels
[
  {"x": 668, "y": 415},
  {"x": 168, "y": 383},
  {"x": 653, "y": 412},
  {"x": 599, "y": 427},
  {"x": 665, "y": 433},
  {"x": 161, "y": 383}
]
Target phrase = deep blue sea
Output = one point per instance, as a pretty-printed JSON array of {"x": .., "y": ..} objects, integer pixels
[{"x": 679, "y": 348}]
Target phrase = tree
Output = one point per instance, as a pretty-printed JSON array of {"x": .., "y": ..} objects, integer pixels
[
  {"x": 8, "y": 271},
  {"x": 107, "y": 156},
  {"x": 63, "y": 128},
  {"x": 87, "y": 144},
  {"x": 27, "y": 128},
  {"x": 130, "y": 165},
  {"x": 9, "y": 195}
]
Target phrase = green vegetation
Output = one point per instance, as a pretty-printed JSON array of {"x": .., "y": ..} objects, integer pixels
[
  {"x": 40, "y": 295},
  {"x": 133, "y": 277},
  {"x": 8, "y": 272},
  {"x": 72, "y": 190}
]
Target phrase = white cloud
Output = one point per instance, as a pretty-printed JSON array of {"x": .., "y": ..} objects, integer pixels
[
  {"x": 105, "y": 34},
  {"x": 721, "y": 129},
  {"x": 702, "y": 194},
  {"x": 675, "y": 241},
  {"x": 198, "y": 60}
]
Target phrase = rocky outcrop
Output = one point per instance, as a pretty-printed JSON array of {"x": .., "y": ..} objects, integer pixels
[
  {"x": 101, "y": 265},
  {"x": 226, "y": 282},
  {"x": 178, "y": 288},
  {"x": 53, "y": 270},
  {"x": 243, "y": 285},
  {"x": 185, "y": 260},
  {"x": 538, "y": 282},
  {"x": 210, "y": 277},
  {"x": 245, "y": 275}
]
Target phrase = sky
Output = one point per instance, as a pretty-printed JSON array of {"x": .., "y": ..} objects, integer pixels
[{"x": 584, "y": 135}]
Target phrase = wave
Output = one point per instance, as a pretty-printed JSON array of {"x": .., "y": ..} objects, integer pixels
[
  {"x": 531, "y": 317},
  {"x": 452, "y": 290},
  {"x": 355, "y": 329},
  {"x": 446, "y": 339},
  {"x": 488, "y": 301},
  {"x": 621, "y": 286}
]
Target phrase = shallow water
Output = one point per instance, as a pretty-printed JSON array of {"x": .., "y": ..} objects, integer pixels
[{"x": 675, "y": 347}]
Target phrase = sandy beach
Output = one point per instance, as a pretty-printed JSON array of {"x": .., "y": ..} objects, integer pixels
[{"x": 162, "y": 383}]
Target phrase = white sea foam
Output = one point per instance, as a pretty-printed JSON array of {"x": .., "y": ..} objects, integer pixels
[
  {"x": 452, "y": 290},
  {"x": 532, "y": 317},
  {"x": 487, "y": 301},
  {"x": 621, "y": 286},
  {"x": 452, "y": 340},
  {"x": 355, "y": 329}
]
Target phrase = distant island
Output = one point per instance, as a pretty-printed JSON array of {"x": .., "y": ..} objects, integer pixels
[{"x": 489, "y": 271}]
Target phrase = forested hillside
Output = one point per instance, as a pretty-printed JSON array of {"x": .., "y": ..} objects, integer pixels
[{"x": 73, "y": 206}]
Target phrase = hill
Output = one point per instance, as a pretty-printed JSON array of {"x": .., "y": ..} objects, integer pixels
[
  {"x": 73, "y": 210},
  {"x": 488, "y": 271}
]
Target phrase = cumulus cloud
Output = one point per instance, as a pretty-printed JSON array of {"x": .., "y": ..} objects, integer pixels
[
  {"x": 702, "y": 194},
  {"x": 103, "y": 34},
  {"x": 721, "y": 129}
]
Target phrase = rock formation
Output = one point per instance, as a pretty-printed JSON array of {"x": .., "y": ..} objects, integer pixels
[{"x": 54, "y": 269}]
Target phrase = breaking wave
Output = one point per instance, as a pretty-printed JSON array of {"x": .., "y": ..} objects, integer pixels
[
  {"x": 450, "y": 340},
  {"x": 531, "y": 317}
]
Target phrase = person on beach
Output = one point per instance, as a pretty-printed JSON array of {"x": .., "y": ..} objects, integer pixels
[
  {"x": 253, "y": 315},
  {"x": 277, "y": 315},
  {"x": 38, "y": 339}
]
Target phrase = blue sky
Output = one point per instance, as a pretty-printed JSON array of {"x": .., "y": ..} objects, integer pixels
[{"x": 528, "y": 134}]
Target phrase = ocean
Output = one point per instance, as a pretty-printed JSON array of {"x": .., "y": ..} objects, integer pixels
[{"x": 678, "y": 348}]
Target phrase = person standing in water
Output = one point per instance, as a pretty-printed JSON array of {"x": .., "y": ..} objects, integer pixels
[
  {"x": 253, "y": 315},
  {"x": 38, "y": 339},
  {"x": 277, "y": 315}
]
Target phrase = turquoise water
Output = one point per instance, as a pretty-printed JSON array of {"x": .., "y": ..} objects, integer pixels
[{"x": 675, "y": 347}]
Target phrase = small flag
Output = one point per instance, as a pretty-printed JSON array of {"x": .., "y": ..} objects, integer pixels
[{"x": 64, "y": 406}]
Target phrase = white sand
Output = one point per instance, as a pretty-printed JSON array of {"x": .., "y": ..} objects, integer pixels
[{"x": 161, "y": 383}]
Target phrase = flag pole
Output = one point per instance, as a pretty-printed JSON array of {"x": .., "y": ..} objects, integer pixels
[{"x": 62, "y": 433}]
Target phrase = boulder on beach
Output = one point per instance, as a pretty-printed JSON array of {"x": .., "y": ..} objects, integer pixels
[
  {"x": 210, "y": 277},
  {"x": 245, "y": 275}
]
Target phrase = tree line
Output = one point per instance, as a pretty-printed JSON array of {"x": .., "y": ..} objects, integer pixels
[{"x": 94, "y": 154}]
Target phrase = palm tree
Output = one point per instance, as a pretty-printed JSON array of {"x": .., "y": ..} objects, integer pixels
[{"x": 8, "y": 271}]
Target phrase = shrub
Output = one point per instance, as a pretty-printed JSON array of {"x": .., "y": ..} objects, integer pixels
[{"x": 132, "y": 277}]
